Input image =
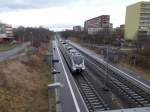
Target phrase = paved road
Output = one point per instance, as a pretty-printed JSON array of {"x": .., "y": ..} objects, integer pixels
[
  {"x": 69, "y": 96},
  {"x": 13, "y": 53}
]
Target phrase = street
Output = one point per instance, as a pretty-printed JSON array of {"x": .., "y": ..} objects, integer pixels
[{"x": 13, "y": 53}]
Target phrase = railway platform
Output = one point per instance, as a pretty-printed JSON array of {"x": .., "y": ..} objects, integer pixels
[{"x": 69, "y": 97}]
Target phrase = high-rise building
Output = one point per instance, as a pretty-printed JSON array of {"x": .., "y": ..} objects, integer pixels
[
  {"x": 97, "y": 24},
  {"x": 119, "y": 31},
  {"x": 137, "y": 20},
  {"x": 9, "y": 30}
]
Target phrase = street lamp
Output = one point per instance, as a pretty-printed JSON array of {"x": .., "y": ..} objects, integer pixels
[{"x": 52, "y": 87}]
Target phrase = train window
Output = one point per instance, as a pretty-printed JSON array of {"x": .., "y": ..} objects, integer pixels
[
  {"x": 78, "y": 59},
  {"x": 70, "y": 48}
]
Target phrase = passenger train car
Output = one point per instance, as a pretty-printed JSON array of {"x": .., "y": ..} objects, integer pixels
[{"x": 74, "y": 59}]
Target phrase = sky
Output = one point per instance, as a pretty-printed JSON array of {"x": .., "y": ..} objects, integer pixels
[{"x": 61, "y": 14}]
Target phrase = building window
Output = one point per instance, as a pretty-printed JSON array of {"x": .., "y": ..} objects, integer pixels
[
  {"x": 145, "y": 5},
  {"x": 145, "y": 23},
  {"x": 144, "y": 28},
  {"x": 145, "y": 20},
  {"x": 145, "y": 10},
  {"x": 145, "y": 14}
]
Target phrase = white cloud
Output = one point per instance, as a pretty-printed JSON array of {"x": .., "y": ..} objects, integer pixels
[{"x": 65, "y": 16}]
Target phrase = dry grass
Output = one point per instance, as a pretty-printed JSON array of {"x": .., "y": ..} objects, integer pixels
[
  {"x": 145, "y": 73},
  {"x": 23, "y": 85},
  {"x": 74, "y": 39}
]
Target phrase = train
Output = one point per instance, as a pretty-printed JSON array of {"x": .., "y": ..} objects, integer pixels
[{"x": 74, "y": 59}]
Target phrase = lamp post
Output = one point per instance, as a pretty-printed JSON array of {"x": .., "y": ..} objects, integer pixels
[
  {"x": 23, "y": 40},
  {"x": 50, "y": 88},
  {"x": 31, "y": 39}
]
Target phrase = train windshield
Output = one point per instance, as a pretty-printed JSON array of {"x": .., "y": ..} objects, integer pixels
[{"x": 78, "y": 59}]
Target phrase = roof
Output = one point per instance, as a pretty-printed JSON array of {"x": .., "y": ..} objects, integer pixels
[
  {"x": 96, "y": 17},
  {"x": 138, "y": 3}
]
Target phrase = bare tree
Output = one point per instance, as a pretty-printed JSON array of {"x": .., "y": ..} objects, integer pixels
[{"x": 36, "y": 35}]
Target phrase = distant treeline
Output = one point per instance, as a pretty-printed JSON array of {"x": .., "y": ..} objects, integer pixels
[
  {"x": 35, "y": 35},
  {"x": 99, "y": 38},
  {"x": 139, "y": 56},
  {"x": 142, "y": 44}
]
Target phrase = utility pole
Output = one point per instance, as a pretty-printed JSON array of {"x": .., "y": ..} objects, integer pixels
[
  {"x": 23, "y": 35},
  {"x": 31, "y": 38},
  {"x": 106, "y": 70},
  {"x": 23, "y": 39}
]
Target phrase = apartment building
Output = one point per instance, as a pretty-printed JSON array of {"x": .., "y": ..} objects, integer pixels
[
  {"x": 97, "y": 24},
  {"x": 119, "y": 31},
  {"x": 77, "y": 28},
  {"x": 9, "y": 30},
  {"x": 6, "y": 32},
  {"x": 137, "y": 20}
]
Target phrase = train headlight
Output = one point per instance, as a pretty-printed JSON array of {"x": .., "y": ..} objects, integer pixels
[
  {"x": 74, "y": 68},
  {"x": 83, "y": 66}
]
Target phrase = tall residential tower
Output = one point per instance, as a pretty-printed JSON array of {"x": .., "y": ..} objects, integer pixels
[
  {"x": 97, "y": 24},
  {"x": 137, "y": 20}
]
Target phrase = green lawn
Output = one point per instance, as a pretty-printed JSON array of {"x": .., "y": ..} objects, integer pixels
[{"x": 6, "y": 47}]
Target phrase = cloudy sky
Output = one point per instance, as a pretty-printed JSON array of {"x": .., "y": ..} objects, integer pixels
[{"x": 60, "y": 14}]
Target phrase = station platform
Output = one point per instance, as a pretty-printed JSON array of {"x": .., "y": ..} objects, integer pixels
[{"x": 70, "y": 99}]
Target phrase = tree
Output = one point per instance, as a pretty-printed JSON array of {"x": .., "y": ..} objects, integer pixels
[
  {"x": 36, "y": 35},
  {"x": 143, "y": 42}
]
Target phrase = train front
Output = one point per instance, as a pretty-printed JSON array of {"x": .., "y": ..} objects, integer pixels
[{"x": 78, "y": 63}]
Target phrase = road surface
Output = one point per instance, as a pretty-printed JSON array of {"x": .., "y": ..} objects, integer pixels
[{"x": 13, "y": 52}]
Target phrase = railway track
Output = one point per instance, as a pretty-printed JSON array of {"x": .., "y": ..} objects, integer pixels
[
  {"x": 141, "y": 97},
  {"x": 125, "y": 89},
  {"x": 92, "y": 99},
  {"x": 128, "y": 91}
]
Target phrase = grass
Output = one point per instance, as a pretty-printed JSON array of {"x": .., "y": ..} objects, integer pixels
[
  {"x": 6, "y": 47},
  {"x": 145, "y": 73},
  {"x": 23, "y": 85}
]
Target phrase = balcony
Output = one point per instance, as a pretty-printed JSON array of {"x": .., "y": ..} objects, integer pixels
[
  {"x": 145, "y": 14},
  {"x": 145, "y": 5},
  {"x": 144, "y": 28},
  {"x": 146, "y": 17},
  {"x": 145, "y": 24},
  {"x": 144, "y": 20}
]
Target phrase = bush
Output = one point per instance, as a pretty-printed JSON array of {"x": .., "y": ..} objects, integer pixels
[{"x": 143, "y": 61}]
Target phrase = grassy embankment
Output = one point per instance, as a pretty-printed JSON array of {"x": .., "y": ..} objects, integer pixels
[
  {"x": 23, "y": 85},
  {"x": 6, "y": 47}
]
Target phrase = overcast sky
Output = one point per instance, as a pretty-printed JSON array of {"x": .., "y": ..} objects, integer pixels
[{"x": 61, "y": 14}]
